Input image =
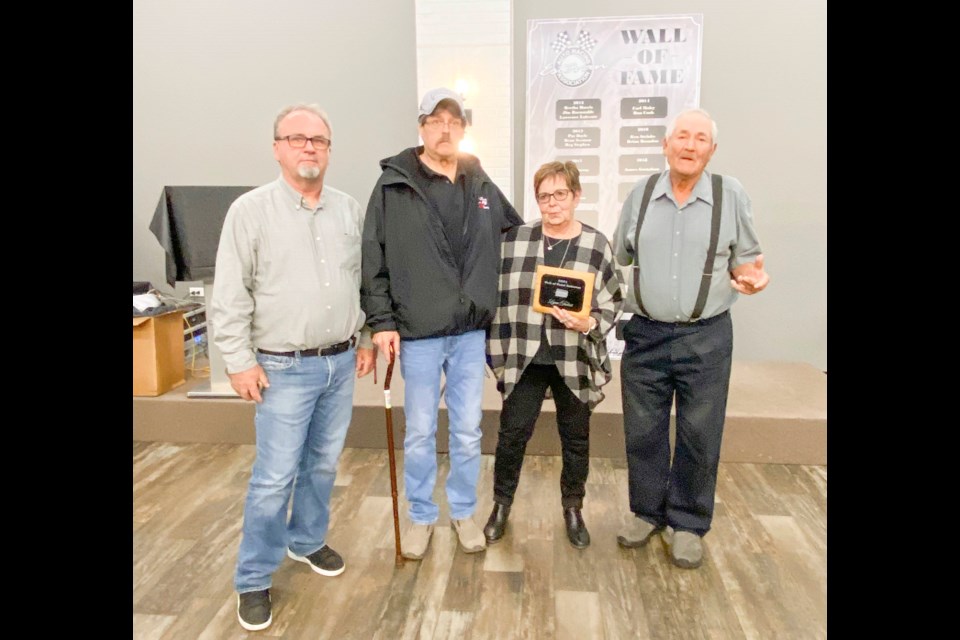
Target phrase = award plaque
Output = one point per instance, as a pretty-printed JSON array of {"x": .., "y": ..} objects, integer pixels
[{"x": 565, "y": 288}]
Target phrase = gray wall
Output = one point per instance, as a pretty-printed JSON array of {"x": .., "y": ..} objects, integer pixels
[
  {"x": 208, "y": 78},
  {"x": 764, "y": 80}
]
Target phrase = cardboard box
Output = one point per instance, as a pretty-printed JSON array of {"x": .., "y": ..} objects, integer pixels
[{"x": 158, "y": 364}]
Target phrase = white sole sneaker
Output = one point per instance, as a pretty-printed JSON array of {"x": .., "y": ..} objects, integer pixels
[
  {"x": 323, "y": 572},
  {"x": 252, "y": 627}
]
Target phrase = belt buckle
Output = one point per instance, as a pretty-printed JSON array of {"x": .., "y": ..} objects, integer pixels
[{"x": 332, "y": 350}]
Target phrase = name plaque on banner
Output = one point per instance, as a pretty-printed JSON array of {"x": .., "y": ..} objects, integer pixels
[{"x": 565, "y": 288}]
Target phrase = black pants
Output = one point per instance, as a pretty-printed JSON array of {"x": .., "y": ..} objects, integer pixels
[
  {"x": 517, "y": 419},
  {"x": 692, "y": 362}
]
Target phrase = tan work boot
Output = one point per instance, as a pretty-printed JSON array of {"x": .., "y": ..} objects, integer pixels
[
  {"x": 637, "y": 533},
  {"x": 469, "y": 534},
  {"x": 686, "y": 550},
  {"x": 416, "y": 540}
]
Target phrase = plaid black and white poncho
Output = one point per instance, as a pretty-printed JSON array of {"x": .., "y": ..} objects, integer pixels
[{"x": 515, "y": 334}]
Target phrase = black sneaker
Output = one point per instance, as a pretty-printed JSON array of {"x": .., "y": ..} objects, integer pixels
[
  {"x": 324, "y": 561},
  {"x": 253, "y": 610}
]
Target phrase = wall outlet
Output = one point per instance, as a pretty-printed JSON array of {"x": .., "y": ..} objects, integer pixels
[{"x": 196, "y": 292}]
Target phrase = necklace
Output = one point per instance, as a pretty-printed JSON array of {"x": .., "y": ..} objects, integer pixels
[
  {"x": 546, "y": 241},
  {"x": 550, "y": 247}
]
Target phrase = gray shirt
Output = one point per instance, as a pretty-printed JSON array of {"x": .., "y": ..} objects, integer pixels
[
  {"x": 673, "y": 247},
  {"x": 287, "y": 276}
]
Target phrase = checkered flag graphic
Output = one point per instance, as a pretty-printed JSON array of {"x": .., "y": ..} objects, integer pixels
[
  {"x": 562, "y": 42},
  {"x": 585, "y": 42}
]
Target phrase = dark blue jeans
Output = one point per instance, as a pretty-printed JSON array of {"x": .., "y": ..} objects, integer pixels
[{"x": 689, "y": 362}]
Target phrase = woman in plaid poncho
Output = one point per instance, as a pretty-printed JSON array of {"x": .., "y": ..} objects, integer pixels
[{"x": 532, "y": 352}]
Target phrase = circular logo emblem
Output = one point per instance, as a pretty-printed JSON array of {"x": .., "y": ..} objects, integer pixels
[{"x": 573, "y": 67}]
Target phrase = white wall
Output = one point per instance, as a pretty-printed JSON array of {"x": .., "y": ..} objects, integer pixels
[
  {"x": 764, "y": 80},
  {"x": 470, "y": 40},
  {"x": 209, "y": 77}
]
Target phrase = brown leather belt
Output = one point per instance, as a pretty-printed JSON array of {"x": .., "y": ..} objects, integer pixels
[{"x": 332, "y": 350}]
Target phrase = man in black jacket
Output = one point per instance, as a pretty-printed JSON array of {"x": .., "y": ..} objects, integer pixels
[{"x": 431, "y": 250}]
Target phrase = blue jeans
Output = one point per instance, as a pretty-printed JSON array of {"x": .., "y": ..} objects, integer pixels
[
  {"x": 462, "y": 359},
  {"x": 301, "y": 427}
]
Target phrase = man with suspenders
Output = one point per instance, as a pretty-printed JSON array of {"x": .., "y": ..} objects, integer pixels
[{"x": 689, "y": 239}]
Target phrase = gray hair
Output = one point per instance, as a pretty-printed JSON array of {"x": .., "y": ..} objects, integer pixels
[
  {"x": 301, "y": 106},
  {"x": 702, "y": 112}
]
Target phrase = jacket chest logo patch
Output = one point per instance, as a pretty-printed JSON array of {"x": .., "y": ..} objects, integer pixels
[{"x": 482, "y": 203}]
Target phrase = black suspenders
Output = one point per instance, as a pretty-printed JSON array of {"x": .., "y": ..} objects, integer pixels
[{"x": 717, "y": 183}]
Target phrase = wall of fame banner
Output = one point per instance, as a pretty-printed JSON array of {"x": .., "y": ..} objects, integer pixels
[{"x": 600, "y": 92}]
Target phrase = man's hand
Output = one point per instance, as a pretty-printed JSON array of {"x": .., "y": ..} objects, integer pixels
[
  {"x": 750, "y": 278},
  {"x": 249, "y": 383},
  {"x": 366, "y": 359},
  {"x": 383, "y": 340}
]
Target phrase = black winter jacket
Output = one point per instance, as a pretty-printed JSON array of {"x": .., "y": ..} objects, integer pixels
[{"x": 411, "y": 281}]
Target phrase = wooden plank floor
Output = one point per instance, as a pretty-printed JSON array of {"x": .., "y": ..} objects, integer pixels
[{"x": 764, "y": 573}]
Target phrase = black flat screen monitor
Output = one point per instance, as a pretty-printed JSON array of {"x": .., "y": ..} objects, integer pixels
[{"x": 187, "y": 224}]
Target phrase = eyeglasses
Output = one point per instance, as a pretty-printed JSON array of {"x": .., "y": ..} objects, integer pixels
[
  {"x": 299, "y": 141},
  {"x": 436, "y": 124},
  {"x": 560, "y": 195}
]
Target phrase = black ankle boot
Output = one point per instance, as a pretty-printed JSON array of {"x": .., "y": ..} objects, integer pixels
[
  {"x": 576, "y": 530},
  {"x": 496, "y": 523}
]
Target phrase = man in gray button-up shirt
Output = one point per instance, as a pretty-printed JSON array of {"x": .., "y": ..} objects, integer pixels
[
  {"x": 285, "y": 312},
  {"x": 676, "y": 348}
]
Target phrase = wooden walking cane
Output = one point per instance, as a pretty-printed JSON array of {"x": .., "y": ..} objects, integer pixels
[{"x": 393, "y": 465}]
